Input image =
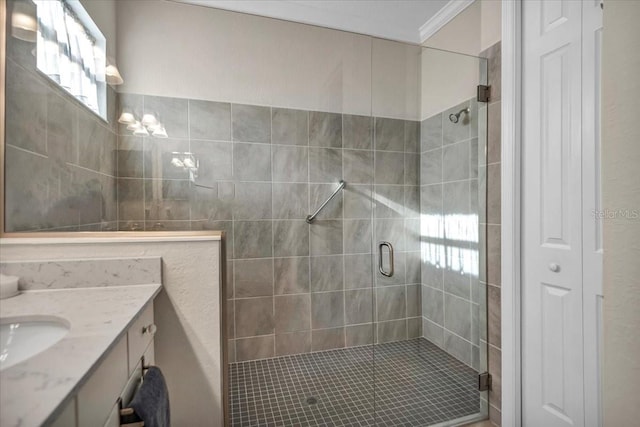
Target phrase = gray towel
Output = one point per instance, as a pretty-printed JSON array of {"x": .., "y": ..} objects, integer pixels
[{"x": 151, "y": 402}]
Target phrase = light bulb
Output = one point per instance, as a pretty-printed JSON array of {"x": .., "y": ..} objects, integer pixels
[
  {"x": 149, "y": 120},
  {"x": 160, "y": 132},
  {"x": 127, "y": 118}
]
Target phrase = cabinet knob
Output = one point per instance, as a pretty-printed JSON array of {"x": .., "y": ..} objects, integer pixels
[
  {"x": 554, "y": 267},
  {"x": 149, "y": 329}
]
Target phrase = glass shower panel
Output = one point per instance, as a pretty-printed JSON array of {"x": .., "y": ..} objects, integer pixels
[
  {"x": 428, "y": 193},
  {"x": 301, "y": 312}
]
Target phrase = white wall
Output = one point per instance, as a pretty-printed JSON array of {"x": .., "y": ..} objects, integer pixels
[
  {"x": 187, "y": 313},
  {"x": 226, "y": 56},
  {"x": 621, "y": 190}
]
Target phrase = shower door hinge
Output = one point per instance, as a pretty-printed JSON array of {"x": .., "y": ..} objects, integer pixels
[
  {"x": 483, "y": 93},
  {"x": 484, "y": 381}
]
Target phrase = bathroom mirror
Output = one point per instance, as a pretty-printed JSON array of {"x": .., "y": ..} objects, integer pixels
[{"x": 59, "y": 124}]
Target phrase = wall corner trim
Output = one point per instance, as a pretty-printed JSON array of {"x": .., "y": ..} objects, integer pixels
[{"x": 440, "y": 19}]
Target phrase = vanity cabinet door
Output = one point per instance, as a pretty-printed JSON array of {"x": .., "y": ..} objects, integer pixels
[
  {"x": 140, "y": 335},
  {"x": 67, "y": 417},
  {"x": 97, "y": 397}
]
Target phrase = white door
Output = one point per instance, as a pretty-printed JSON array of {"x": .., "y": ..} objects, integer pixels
[
  {"x": 591, "y": 210},
  {"x": 552, "y": 335}
]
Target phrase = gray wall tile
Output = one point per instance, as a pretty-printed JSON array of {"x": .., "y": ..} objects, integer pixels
[
  {"x": 357, "y": 201},
  {"x": 252, "y": 162},
  {"x": 433, "y": 305},
  {"x": 214, "y": 161},
  {"x": 290, "y": 238},
  {"x": 251, "y": 123},
  {"x": 389, "y": 201},
  {"x": 290, "y": 164},
  {"x": 357, "y": 335},
  {"x": 457, "y": 316},
  {"x": 254, "y": 316},
  {"x": 253, "y": 278},
  {"x": 389, "y": 134},
  {"x": 411, "y": 136},
  {"x": 325, "y": 129},
  {"x": 291, "y": 275},
  {"x": 252, "y": 239},
  {"x": 209, "y": 120},
  {"x": 171, "y": 112},
  {"x": 455, "y": 161},
  {"x": 414, "y": 327},
  {"x": 357, "y": 132},
  {"x": 433, "y": 332},
  {"x": 327, "y": 273},
  {"x": 431, "y": 167},
  {"x": 326, "y": 237},
  {"x": 357, "y": 236},
  {"x": 327, "y": 339},
  {"x": 318, "y": 194},
  {"x": 290, "y": 201},
  {"x": 359, "y": 306},
  {"x": 292, "y": 313},
  {"x": 327, "y": 310},
  {"x": 358, "y": 166},
  {"x": 414, "y": 300},
  {"x": 431, "y": 133},
  {"x": 293, "y": 343},
  {"x": 457, "y": 347},
  {"x": 290, "y": 127},
  {"x": 391, "y": 303},
  {"x": 389, "y": 168},
  {"x": 395, "y": 330},
  {"x": 325, "y": 165},
  {"x": 252, "y": 201},
  {"x": 456, "y": 132},
  {"x": 359, "y": 273},
  {"x": 254, "y": 348}
]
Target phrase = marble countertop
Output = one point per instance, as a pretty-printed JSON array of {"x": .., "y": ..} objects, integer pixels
[{"x": 34, "y": 391}]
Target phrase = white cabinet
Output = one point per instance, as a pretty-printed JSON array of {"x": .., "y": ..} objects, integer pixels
[{"x": 117, "y": 376}]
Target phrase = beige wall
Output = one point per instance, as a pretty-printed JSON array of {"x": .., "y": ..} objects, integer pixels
[
  {"x": 103, "y": 13},
  {"x": 449, "y": 79},
  {"x": 187, "y": 313},
  {"x": 621, "y": 190},
  {"x": 226, "y": 56}
]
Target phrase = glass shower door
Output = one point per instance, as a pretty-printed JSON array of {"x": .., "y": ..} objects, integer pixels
[{"x": 428, "y": 231}]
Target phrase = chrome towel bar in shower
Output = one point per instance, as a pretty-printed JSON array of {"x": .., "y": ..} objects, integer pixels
[{"x": 313, "y": 216}]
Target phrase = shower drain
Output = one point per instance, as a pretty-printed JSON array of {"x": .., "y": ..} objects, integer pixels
[{"x": 312, "y": 400}]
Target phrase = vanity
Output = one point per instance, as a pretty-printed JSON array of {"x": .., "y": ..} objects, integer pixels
[
  {"x": 124, "y": 301},
  {"x": 92, "y": 370}
]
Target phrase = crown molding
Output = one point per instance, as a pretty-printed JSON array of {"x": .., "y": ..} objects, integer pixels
[{"x": 440, "y": 19}]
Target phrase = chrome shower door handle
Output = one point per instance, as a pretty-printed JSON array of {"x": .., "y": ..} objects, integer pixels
[{"x": 380, "y": 263}]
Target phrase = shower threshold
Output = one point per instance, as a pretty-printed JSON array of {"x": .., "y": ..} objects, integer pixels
[{"x": 403, "y": 383}]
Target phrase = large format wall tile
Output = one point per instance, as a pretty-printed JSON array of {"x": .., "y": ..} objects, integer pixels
[
  {"x": 209, "y": 120},
  {"x": 251, "y": 123},
  {"x": 290, "y": 127}
]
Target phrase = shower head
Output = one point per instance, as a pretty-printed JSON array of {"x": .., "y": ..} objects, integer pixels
[{"x": 455, "y": 117}]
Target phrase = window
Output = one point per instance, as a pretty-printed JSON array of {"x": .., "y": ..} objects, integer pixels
[{"x": 71, "y": 51}]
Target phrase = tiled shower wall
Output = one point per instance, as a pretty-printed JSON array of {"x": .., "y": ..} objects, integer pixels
[
  {"x": 293, "y": 287},
  {"x": 59, "y": 156},
  {"x": 451, "y": 291}
]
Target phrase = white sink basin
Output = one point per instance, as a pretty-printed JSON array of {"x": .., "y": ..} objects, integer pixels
[{"x": 22, "y": 338}]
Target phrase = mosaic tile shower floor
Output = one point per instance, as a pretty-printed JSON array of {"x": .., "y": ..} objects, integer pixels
[{"x": 416, "y": 384}]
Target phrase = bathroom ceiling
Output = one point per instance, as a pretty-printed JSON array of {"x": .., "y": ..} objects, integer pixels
[{"x": 404, "y": 20}]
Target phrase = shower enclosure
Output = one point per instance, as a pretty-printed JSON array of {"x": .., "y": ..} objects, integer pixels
[
  {"x": 380, "y": 319},
  {"x": 373, "y": 311}
]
